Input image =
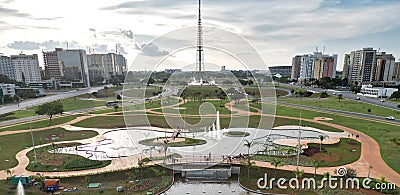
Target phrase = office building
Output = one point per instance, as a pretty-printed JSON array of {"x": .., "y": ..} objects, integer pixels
[{"x": 68, "y": 65}]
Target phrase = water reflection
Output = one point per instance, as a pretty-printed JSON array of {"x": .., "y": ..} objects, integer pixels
[{"x": 184, "y": 186}]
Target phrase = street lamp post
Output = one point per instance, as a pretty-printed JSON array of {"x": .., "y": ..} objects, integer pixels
[
  {"x": 299, "y": 146},
  {"x": 33, "y": 141}
]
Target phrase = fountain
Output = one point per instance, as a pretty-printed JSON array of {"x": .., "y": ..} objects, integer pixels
[
  {"x": 217, "y": 122},
  {"x": 20, "y": 188}
]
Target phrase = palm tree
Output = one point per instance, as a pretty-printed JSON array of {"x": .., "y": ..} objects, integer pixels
[
  {"x": 321, "y": 138},
  {"x": 299, "y": 173},
  {"x": 248, "y": 144},
  {"x": 8, "y": 172},
  {"x": 316, "y": 165},
  {"x": 165, "y": 149},
  {"x": 276, "y": 163}
]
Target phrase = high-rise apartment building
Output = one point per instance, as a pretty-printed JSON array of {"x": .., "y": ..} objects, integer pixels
[
  {"x": 26, "y": 68},
  {"x": 396, "y": 71},
  {"x": 324, "y": 67},
  {"x": 383, "y": 69},
  {"x": 106, "y": 65},
  {"x": 6, "y": 67},
  {"x": 296, "y": 64},
  {"x": 368, "y": 66},
  {"x": 303, "y": 66}
]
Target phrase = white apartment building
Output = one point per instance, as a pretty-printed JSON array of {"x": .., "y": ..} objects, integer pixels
[{"x": 26, "y": 68}]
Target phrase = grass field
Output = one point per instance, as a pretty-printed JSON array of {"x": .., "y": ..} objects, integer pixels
[
  {"x": 256, "y": 173},
  {"x": 344, "y": 104},
  {"x": 344, "y": 152},
  {"x": 160, "y": 178},
  {"x": 50, "y": 162},
  {"x": 380, "y": 132},
  {"x": 11, "y": 144},
  {"x": 40, "y": 124}
]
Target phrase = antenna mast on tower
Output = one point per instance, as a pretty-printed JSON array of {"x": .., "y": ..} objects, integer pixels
[{"x": 200, "y": 54}]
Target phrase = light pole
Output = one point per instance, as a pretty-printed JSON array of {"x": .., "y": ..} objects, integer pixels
[
  {"x": 33, "y": 142},
  {"x": 299, "y": 146}
]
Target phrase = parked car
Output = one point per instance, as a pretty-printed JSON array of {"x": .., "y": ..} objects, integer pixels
[
  {"x": 357, "y": 98},
  {"x": 390, "y": 118},
  {"x": 382, "y": 100}
]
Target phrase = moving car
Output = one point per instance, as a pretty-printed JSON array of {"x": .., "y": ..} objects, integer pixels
[
  {"x": 390, "y": 118},
  {"x": 357, "y": 98},
  {"x": 382, "y": 100}
]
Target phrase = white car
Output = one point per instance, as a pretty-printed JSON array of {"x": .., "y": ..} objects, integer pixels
[
  {"x": 382, "y": 100},
  {"x": 390, "y": 118},
  {"x": 357, "y": 98}
]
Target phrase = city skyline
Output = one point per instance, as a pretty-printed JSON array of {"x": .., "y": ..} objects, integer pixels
[{"x": 278, "y": 31}]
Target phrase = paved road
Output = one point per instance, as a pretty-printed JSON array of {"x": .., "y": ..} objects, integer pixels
[
  {"x": 38, "y": 101},
  {"x": 341, "y": 112},
  {"x": 349, "y": 95}
]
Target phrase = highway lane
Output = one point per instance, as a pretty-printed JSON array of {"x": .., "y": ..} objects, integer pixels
[
  {"x": 349, "y": 95},
  {"x": 360, "y": 115},
  {"x": 41, "y": 100}
]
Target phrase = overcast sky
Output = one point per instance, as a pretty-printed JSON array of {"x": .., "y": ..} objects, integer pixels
[{"x": 278, "y": 29}]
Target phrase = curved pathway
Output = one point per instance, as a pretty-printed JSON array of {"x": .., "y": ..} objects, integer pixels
[{"x": 370, "y": 155}]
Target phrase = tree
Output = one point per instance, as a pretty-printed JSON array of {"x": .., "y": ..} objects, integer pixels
[
  {"x": 119, "y": 97},
  {"x": 248, "y": 144},
  {"x": 116, "y": 107},
  {"x": 340, "y": 96},
  {"x": 276, "y": 163},
  {"x": 150, "y": 81},
  {"x": 316, "y": 165},
  {"x": 8, "y": 172},
  {"x": 50, "y": 109},
  {"x": 395, "y": 95},
  {"x": 323, "y": 94},
  {"x": 321, "y": 138}
]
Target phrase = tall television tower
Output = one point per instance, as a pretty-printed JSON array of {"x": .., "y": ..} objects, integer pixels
[{"x": 200, "y": 54}]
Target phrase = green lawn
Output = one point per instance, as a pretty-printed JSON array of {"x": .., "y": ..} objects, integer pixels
[
  {"x": 40, "y": 124},
  {"x": 390, "y": 153},
  {"x": 344, "y": 152},
  {"x": 49, "y": 162},
  {"x": 23, "y": 140},
  {"x": 76, "y": 103},
  {"x": 344, "y": 104},
  {"x": 256, "y": 173},
  {"x": 160, "y": 178},
  {"x": 18, "y": 114}
]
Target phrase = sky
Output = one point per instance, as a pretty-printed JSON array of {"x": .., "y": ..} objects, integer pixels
[{"x": 278, "y": 29}]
